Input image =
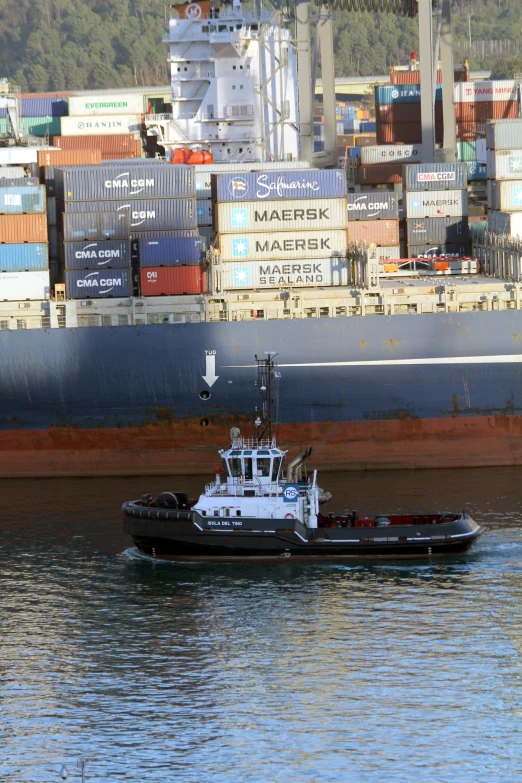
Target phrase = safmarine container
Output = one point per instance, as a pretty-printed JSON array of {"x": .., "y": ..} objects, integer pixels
[
  {"x": 109, "y": 125},
  {"x": 437, "y": 230},
  {"x": 279, "y": 185},
  {"x": 18, "y": 199},
  {"x": 505, "y": 164},
  {"x": 95, "y": 225},
  {"x": 504, "y": 134},
  {"x": 160, "y": 214},
  {"x": 23, "y": 228},
  {"x": 98, "y": 284},
  {"x": 438, "y": 251},
  {"x": 476, "y": 171},
  {"x": 389, "y": 153},
  {"x": 172, "y": 251},
  {"x": 506, "y": 195},
  {"x": 204, "y": 211},
  {"x": 283, "y": 245},
  {"x": 203, "y": 173},
  {"x": 24, "y": 258},
  {"x": 106, "y": 254},
  {"x": 378, "y": 232},
  {"x": 89, "y": 183},
  {"x": 378, "y": 205},
  {"x": 23, "y": 286},
  {"x": 118, "y": 103},
  {"x": 277, "y": 274},
  {"x": 172, "y": 281},
  {"x": 328, "y": 213},
  {"x": 509, "y": 223},
  {"x": 447, "y": 203},
  {"x": 434, "y": 176}
]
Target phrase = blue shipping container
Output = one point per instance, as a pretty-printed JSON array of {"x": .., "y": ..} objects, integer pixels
[
  {"x": 368, "y": 127},
  {"x": 171, "y": 252},
  {"x": 98, "y": 284},
  {"x": 279, "y": 185},
  {"x": 17, "y": 200},
  {"x": 434, "y": 176},
  {"x": 24, "y": 258},
  {"x": 476, "y": 171},
  {"x": 41, "y": 107},
  {"x": 402, "y": 93},
  {"x": 107, "y": 254},
  {"x": 163, "y": 214},
  {"x": 354, "y": 152}
]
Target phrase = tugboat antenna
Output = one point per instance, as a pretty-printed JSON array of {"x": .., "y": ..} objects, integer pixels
[{"x": 267, "y": 386}]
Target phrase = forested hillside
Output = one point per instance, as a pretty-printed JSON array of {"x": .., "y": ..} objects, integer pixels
[{"x": 75, "y": 44}]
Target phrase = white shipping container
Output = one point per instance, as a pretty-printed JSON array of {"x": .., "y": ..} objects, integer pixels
[
  {"x": 389, "y": 153},
  {"x": 20, "y": 286},
  {"x": 509, "y": 223},
  {"x": 11, "y": 172},
  {"x": 436, "y": 203},
  {"x": 89, "y": 105},
  {"x": 204, "y": 172},
  {"x": 482, "y": 92},
  {"x": 328, "y": 213},
  {"x": 504, "y": 164},
  {"x": 393, "y": 252},
  {"x": 19, "y": 156},
  {"x": 506, "y": 195},
  {"x": 282, "y": 274},
  {"x": 481, "y": 150},
  {"x": 110, "y": 125},
  {"x": 504, "y": 134},
  {"x": 282, "y": 245}
]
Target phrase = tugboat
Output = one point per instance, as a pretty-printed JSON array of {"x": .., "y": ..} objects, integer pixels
[{"x": 253, "y": 510}]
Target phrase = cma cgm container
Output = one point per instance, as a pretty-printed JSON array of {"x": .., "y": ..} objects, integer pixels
[
  {"x": 22, "y": 200},
  {"x": 107, "y": 254},
  {"x": 505, "y": 196},
  {"x": 23, "y": 228},
  {"x": 509, "y": 223},
  {"x": 438, "y": 251},
  {"x": 286, "y": 245},
  {"x": 88, "y": 183},
  {"x": 443, "y": 230},
  {"x": 172, "y": 281},
  {"x": 504, "y": 134},
  {"x": 97, "y": 284},
  {"x": 118, "y": 103},
  {"x": 110, "y": 125},
  {"x": 378, "y": 232},
  {"x": 434, "y": 176},
  {"x": 317, "y": 213},
  {"x": 373, "y": 206},
  {"x": 447, "y": 203},
  {"x": 171, "y": 251},
  {"x": 505, "y": 164},
  {"x": 279, "y": 185},
  {"x": 26, "y": 257},
  {"x": 95, "y": 225},
  {"x": 274, "y": 274},
  {"x": 389, "y": 153},
  {"x": 20, "y": 183},
  {"x": 162, "y": 214},
  {"x": 23, "y": 286}
]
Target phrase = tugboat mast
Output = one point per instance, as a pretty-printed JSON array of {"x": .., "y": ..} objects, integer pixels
[{"x": 267, "y": 387}]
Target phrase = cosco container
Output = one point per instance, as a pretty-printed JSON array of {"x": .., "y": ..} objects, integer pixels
[
  {"x": 277, "y": 274},
  {"x": 11, "y": 172},
  {"x": 172, "y": 251},
  {"x": 95, "y": 225},
  {"x": 23, "y": 286},
  {"x": 377, "y": 232},
  {"x": 509, "y": 223},
  {"x": 505, "y": 164},
  {"x": 27, "y": 257},
  {"x": 443, "y": 230},
  {"x": 89, "y": 183},
  {"x": 506, "y": 195},
  {"x": 504, "y": 134},
  {"x": 106, "y": 254},
  {"x": 317, "y": 213},
  {"x": 434, "y": 176},
  {"x": 162, "y": 214},
  {"x": 447, "y": 203},
  {"x": 476, "y": 171},
  {"x": 478, "y": 92},
  {"x": 279, "y": 185},
  {"x": 283, "y": 245},
  {"x": 110, "y": 125},
  {"x": 118, "y": 103},
  {"x": 23, "y": 228},
  {"x": 22, "y": 200},
  {"x": 204, "y": 211},
  {"x": 389, "y": 153},
  {"x": 98, "y": 284},
  {"x": 172, "y": 281},
  {"x": 378, "y": 205},
  {"x": 438, "y": 251}
]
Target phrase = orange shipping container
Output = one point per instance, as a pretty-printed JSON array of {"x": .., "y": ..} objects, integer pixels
[
  {"x": 379, "y": 174},
  {"x": 119, "y": 143},
  {"x": 367, "y": 140},
  {"x": 346, "y": 141},
  {"x": 379, "y": 232},
  {"x": 172, "y": 280},
  {"x": 362, "y": 114},
  {"x": 85, "y": 157},
  {"x": 16, "y": 229}
]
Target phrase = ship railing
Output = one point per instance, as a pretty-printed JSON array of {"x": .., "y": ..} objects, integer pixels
[
  {"x": 253, "y": 443},
  {"x": 157, "y": 117}
]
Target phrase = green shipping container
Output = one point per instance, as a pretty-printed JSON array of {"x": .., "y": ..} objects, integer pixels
[
  {"x": 467, "y": 151},
  {"x": 35, "y": 126}
]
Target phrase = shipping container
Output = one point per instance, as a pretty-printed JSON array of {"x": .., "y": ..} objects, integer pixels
[
  {"x": 477, "y": 92},
  {"x": 172, "y": 281},
  {"x": 204, "y": 211},
  {"x": 17, "y": 183},
  {"x": 389, "y": 251},
  {"x": 20, "y": 200},
  {"x": 389, "y": 153},
  {"x": 53, "y": 243},
  {"x": 283, "y": 245},
  {"x": 504, "y": 134},
  {"x": 366, "y": 140},
  {"x": 34, "y": 126},
  {"x": 120, "y": 144},
  {"x": 24, "y": 286},
  {"x": 110, "y": 125},
  {"x": 410, "y": 93},
  {"x": 85, "y": 284},
  {"x": 283, "y": 274},
  {"x": 447, "y": 203},
  {"x": 506, "y": 195},
  {"x": 24, "y": 257},
  {"x": 402, "y": 114},
  {"x": 117, "y": 103},
  {"x": 509, "y": 223},
  {"x": 466, "y": 151},
  {"x": 208, "y": 234},
  {"x": 438, "y": 251},
  {"x": 476, "y": 171},
  {"x": 438, "y": 230},
  {"x": 43, "y": 106},
  {"x": 23, "y": 228},
  {"x": 434, "y": 176},
  {"x": 368, "y": 127},
  {"x": 317, "y": 213},
  {"x": 11, "y": 172},
  {"x": 94, "y": 225},
  {"x": 468, "y": 131},
  {"x": 90, "y": 183},
  {"x": 482, "y": 112},
  {"x": 279, "y": 185},
  {"x": 405, "y": 133},
  {"x": 377, "y": 232},
  {"x": 161, "y": 214},
  {"x": 51, "y": 211},
  {"x": 18, "y": 156},
  {"x": 106, "y": 254},
  {"x": 379, "y": 205},
  {"x": 505, "y": 164},
  {"x": 178, "y": 251},
  {"x": 380, "y": 174},
  {"x": 56, "y": 157}
]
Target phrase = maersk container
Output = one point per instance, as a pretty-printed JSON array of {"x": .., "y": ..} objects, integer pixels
[
  {"x": 109, "y": 125},
  {"x": 505, "y": 164},
  {"x": 438, "y": 251},
  {"x": 20, "y": 200},
  {"x": 24, "y": 286},
  {"x": 447, "y": 203},
  {"x": 402, "y": 93},
  {"x": 277, "y": 274},
  {"x": 476, "y": 171},
  {"x": 377, "y": 232},
  {"x": 328, "y": 213},
  {"x": 89, "y": 183},
  {"x": 204, "y": 211},
  {"x": 389, "y": 153},
  {"x": 509, "y": 223},
  {"x": 98, "y": 284},
  {"x": 172, "y": 251},
  {"x": 94, "y": 225},
  {"x": 28, "y": 257},
  {"x": 106, "y": 254},
  {"x": 282, "y": 245},
  {"x": 279, "y": 185},
  {"x": 172, "y": 281},
  {"x": 438, "y": 230},
  {"x": 11, "y": 172},
  {"x": 504, "y": 134},
  {"x": 116, "y": 103},
  {"x": 377, "y": 205},
  {"x": 506, "y": 195},
  {"x": 161, "y": 214},
  {"x": 434, "y": 176}
]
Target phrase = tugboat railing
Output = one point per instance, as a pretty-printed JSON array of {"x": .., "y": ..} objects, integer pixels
[{"x": 254, "y": 443}]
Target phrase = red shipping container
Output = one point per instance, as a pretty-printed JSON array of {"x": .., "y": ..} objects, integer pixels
[
  {"x": 379, "y": 174},
  {"x": 172, "y": 281},
  {"x": 403, "y": 112},
  {"x": 380, "y": 232},
  {"x": 16, "y": 229},
  {"x": 468, "y": 131},
  {"x": 485, "y": 110},
  {"x": 413, "y": 77},
  {"x": 119, "y": 143},
  {"x": 405, "y": 133},
  {"x": 56, "y": 157}
]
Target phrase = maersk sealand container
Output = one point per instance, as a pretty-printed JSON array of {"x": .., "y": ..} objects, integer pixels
[
  {"x": 279, "y": 185},
  {"x": 88, "y": 183},
  {"x": 26, "y": 257},
  {"x": 107, "y": 254},
  {"x": 162, "y": 214},
  {"x": 22, "y": 200},
  {"x": 171, "y": 252}
]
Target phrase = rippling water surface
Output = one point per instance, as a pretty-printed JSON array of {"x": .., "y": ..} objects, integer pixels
[{"x": 283, "y": 672}]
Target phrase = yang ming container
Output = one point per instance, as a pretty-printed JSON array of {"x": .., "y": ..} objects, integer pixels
[
  {"x": 506, "y": 196},
  {"x": 378, "y": 232},
  {"x": 283, "y": 245},
  {"x": 437, "y": 230},
  {"x": 106, "y": 254},
  {"x": 23, "y": 286},
  {"x": 171, "y": 252},
  {"x": 504, "y": 134},
  {"x": 434, "y": 176},
  {"x": 23, "y": 228},
  {"x": 161, "y": 214},
  {"x": 27, "y": 257},
  {"x": 172, "y": 281},
  {"x": 95, "y": 225},
  {"x": 22, "y": 200},
  {"x": 279, "y": 185},
  {"x": 438, "y": 251},
  {"x": 298, "y": 215},
  {"x": 378, "y": 205},
  {"x": 389, "y": 153},
  {"x": 505, "y": 164},
  {"x": 89, "y": 183},
  {"x": 509, "y": 223},
  {"x": 438, "y": 204},
  {"x": 277, "y": 274},
  {"x": 98, "y": 284}
]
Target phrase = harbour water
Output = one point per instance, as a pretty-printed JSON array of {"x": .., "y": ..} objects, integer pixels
[{"x": 223, "y": 673}]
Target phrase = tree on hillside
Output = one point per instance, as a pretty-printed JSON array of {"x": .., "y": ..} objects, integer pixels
[{"x": 506, "y": 68}]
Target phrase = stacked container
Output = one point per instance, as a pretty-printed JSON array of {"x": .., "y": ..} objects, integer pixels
[
  {"x": 436, "y": 209},
  {"x": 504, "y": 170},
  {"x": 374, "y": 218},
  {"x": 39, "y": 116},
  {"x": 398, "y": 114},
  {"x": 280, "y": 229},
  {"x": 478, "y": 102},
  {"x": 112, "y": 147}
]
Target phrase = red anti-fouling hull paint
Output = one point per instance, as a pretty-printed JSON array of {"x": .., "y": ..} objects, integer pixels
[{"x": 172, "y": 281}]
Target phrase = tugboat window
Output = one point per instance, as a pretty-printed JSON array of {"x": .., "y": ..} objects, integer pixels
[
  {"x": 263, "y": 467},
  {"x": 248, "y": 469},
  {"x": 236, "y": 468},
  {"x": 275, "y": 468},
  {"x": 225, "y": 467}
]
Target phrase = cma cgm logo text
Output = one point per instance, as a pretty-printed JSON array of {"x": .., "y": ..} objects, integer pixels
[
  {"x": 102, "y": 284},
  {"x": 133, "y": 186}
]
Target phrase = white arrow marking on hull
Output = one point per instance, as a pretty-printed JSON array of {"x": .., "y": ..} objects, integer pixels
[
  {"x": 515, "y": 358},
  {"x": 210, "y": 376}
]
